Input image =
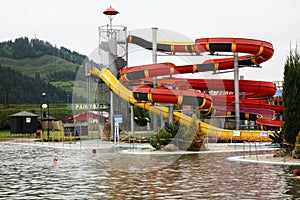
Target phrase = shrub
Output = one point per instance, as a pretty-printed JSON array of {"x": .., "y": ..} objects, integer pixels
[{"x": 161, "y": 139}]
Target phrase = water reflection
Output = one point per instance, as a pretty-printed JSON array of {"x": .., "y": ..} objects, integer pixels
[{"x": 28, "y": 172}]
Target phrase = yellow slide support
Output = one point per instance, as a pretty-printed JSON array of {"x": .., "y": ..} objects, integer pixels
[{"x": 118, "y": 88}]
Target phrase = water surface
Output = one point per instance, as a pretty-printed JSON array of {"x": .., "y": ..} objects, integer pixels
[{"x": 28, "y": 172}]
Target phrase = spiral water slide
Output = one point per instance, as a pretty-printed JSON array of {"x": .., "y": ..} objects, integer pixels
[{"x": 143, "y": 95}]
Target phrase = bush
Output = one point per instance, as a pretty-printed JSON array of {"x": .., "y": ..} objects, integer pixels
[
  {"x": 161, "y": 139},
  {"x": 172, "y": 128},
  {"x": 5, "y": 118}
]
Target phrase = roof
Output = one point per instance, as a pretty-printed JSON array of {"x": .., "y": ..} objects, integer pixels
[
  {"x": 92, "y": 114},
  {"x": 24, "y": 114},
  {"x": 48, "y": 117}
]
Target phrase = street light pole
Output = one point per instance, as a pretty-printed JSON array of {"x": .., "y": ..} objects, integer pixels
[
  {"x": 44, "y": 106},
  {"x": 48, "y": 134},
  {"x": 41, "y": 107}
]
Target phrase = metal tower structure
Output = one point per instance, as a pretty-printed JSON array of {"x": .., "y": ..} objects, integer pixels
[{"x": 113, "y": 50}]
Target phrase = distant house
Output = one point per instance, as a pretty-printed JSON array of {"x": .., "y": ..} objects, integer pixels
[
  {"x": 92, "y": 116},
  {"x": 24, "y": 122}
]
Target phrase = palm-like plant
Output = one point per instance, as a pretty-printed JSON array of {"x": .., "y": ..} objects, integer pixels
[{"x": 172, "y": 127}]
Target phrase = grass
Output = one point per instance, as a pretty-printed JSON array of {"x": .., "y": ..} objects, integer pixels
[
  {"x": 64, "y": 85},
  {"x": 31, "y": 66},
  {"x": 54, "y": 136},
  {"x": 59, "y": 136},
  {"x": 57, "y": 110},
  {"x": 41, "y": 65},
  {"x": 6, "y": 135}
]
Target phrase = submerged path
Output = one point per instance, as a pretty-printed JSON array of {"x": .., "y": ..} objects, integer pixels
[{"x": 251, "y": 152}]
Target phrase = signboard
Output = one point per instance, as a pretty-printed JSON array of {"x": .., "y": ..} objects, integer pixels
[
  {"x": 28, "y": 120},
  {"x": 81, "y": 106},
  {"x": 118, "y": 118},
  {"x": 264, "y": 134},
  {"x": 236, "y": 133}
]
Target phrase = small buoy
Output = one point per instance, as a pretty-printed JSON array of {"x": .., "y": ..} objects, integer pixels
[
  {"x": 55, "y": 159},
  {"x": 94, "y": 151}
]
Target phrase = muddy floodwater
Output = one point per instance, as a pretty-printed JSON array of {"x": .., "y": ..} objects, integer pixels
[{"x": 29, "y": 172}]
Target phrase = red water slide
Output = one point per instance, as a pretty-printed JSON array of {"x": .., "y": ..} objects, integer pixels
[{"x": 254, "y": 94}]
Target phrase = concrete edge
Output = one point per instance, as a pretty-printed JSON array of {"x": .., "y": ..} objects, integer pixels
[{"x": 245, "y": 160}]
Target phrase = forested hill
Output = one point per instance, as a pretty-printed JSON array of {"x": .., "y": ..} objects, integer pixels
[
  {"x": 25, "y": 48},
  {"x": 30, "y": 67},
  {"x": 16, "y": 88}
]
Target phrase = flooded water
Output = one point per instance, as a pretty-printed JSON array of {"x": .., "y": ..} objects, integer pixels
[{"x": 28, "y": 172}]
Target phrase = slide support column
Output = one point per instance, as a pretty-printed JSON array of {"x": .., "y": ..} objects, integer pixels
[
  {"x": 236, "y": 91},
  {"x": 112, "y": 112},
  {"x": 131, "y": 120},
  {"x": 154, "y": 61}
]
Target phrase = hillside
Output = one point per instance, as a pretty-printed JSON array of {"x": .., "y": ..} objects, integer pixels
[
  {"x": 29, "y": 67},
  {"x": 16, "y": 88},
  {"x": 34, "y": 48},
  {"x": 57, "y": 71}
]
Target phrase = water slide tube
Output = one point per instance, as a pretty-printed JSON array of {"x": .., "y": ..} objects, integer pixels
[
  {"x": 253, "y": 91},
  {"x": 118, "y": 88}
]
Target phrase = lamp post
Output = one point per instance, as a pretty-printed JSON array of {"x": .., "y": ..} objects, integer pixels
[
  {"x": 41, "y": 108},
  {"x": 46, "y": 106}
]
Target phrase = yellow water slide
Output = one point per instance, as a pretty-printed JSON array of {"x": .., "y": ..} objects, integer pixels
[{"x": 223, "y": 134}]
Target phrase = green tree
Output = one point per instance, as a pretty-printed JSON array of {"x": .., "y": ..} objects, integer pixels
[
  {"x": 6, "y": 51},
  {"x": 161, "y": 139},
  {"x": 291, "y": 96},
  {"x": 24, "y": 48},
  {"x": 141, "y": 116},
  {"x": 16, "y": 88}
]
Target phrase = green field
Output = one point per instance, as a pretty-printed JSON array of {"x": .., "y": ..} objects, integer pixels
[
  {"x": 6, "y": 135},
  {"x": 57, "y": 71},
  {"x": 41, "y": 65}
]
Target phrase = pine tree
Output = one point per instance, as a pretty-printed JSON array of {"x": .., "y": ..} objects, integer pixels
[{"x": 291, "y": 96}]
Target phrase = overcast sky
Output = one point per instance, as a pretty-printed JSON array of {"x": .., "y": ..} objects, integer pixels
[{"x": 74, "y": 24}]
